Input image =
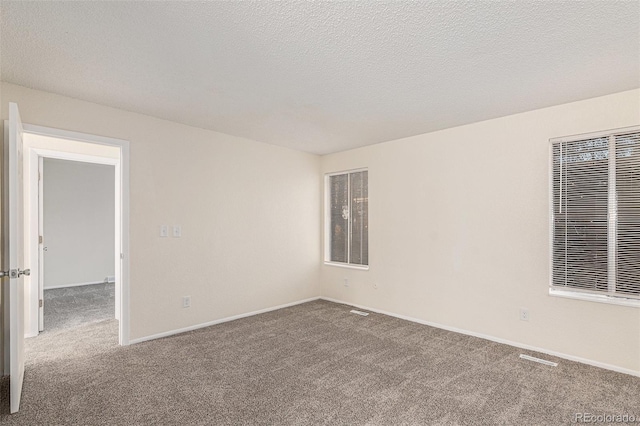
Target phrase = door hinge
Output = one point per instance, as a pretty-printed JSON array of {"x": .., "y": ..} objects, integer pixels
[
  {"x": 40, "y": 303},
  {"x": 121, "y": 255},
  {"x": 40, "y": 239}
]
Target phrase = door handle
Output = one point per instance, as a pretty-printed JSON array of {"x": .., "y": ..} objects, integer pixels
[{"x": 15, "y": 273}]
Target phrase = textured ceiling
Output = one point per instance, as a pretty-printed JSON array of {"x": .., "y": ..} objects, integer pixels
[{"x": 323, "y": 76}]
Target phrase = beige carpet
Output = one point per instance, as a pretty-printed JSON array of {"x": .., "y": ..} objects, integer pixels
[
  {"x": 72, "y": 306},
  {"x": 314, "y": 363}
]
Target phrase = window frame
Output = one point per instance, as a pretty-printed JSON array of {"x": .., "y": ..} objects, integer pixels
[
  {"x": 577, "y": 293},
  {"x": 327, "y": 220}
]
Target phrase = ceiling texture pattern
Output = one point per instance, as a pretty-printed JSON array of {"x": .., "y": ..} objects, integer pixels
[{"x": 323, "y": 77}]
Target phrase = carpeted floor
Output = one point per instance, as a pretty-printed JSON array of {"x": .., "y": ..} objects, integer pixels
[
  {"x": 314, "y": 363},
  {"x": 72, "y": 306}
]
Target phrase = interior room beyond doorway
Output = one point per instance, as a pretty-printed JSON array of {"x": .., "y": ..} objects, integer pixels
[{"x": 78, "y": 230}]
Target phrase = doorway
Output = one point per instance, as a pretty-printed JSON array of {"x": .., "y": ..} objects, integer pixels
[
  {"x": 52, "y": 147},
  {"x": 78, "y": 242}
]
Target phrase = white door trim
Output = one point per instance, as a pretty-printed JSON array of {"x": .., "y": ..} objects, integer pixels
[
  {"x": 122, "y": 205},
  {"x": 40, "y": 266}
]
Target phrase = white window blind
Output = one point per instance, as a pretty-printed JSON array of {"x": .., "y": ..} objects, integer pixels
[
  {"x": 595, "y": 213},
  {"x": 348, "y": 218},
  {"x": 627, "y": 178}
]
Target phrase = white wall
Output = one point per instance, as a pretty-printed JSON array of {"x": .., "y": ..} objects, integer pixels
[
  {"x": 250, "y": 214},
  {"x": 78, "y": 207},
  {"x": 459, "y": 232}
]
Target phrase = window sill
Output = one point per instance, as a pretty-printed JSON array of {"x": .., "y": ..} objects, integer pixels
[
  {"x": 347, "y": 265},
  {"x": 600, "y": 298}
]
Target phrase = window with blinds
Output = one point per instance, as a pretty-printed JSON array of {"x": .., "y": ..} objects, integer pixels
[
  {"x": 348, "y": 218},
  {"x": 595, "y": 214}
]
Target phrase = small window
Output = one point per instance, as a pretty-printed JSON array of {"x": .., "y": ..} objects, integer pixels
[
  {"x": 595, "y": 214},
  {"x": 347, "y": 219}
]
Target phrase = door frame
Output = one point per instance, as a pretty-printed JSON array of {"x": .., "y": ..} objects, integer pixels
[{"x": 34, "y": 155}]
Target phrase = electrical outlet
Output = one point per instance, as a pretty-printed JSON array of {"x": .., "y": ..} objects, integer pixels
[
  {"x": 186, "y": 302},
  {"x": 524, "y": 314},
  {"x": 346, "y": 282}
]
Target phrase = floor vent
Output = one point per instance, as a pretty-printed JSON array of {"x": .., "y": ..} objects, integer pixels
[
  {"x": 541, "y": 361},
  {"x": 364, "y": 314}
]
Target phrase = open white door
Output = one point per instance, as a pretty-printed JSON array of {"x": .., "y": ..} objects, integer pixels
[{"x": 14, "y": 258}]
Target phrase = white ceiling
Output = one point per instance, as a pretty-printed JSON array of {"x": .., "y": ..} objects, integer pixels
[{"x": 323, "y": 76}]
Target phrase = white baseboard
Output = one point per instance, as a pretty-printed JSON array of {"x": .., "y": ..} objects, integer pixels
[
  {"x": 73, "y": 285},
  {"x": 218, "y": 321},
  {"x": 494, "y": 339}
]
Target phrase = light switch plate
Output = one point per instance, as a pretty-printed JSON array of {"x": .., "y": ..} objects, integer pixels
[
  {"x": 164, "y": 231},
  {"x": 177, "y": 231}
]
